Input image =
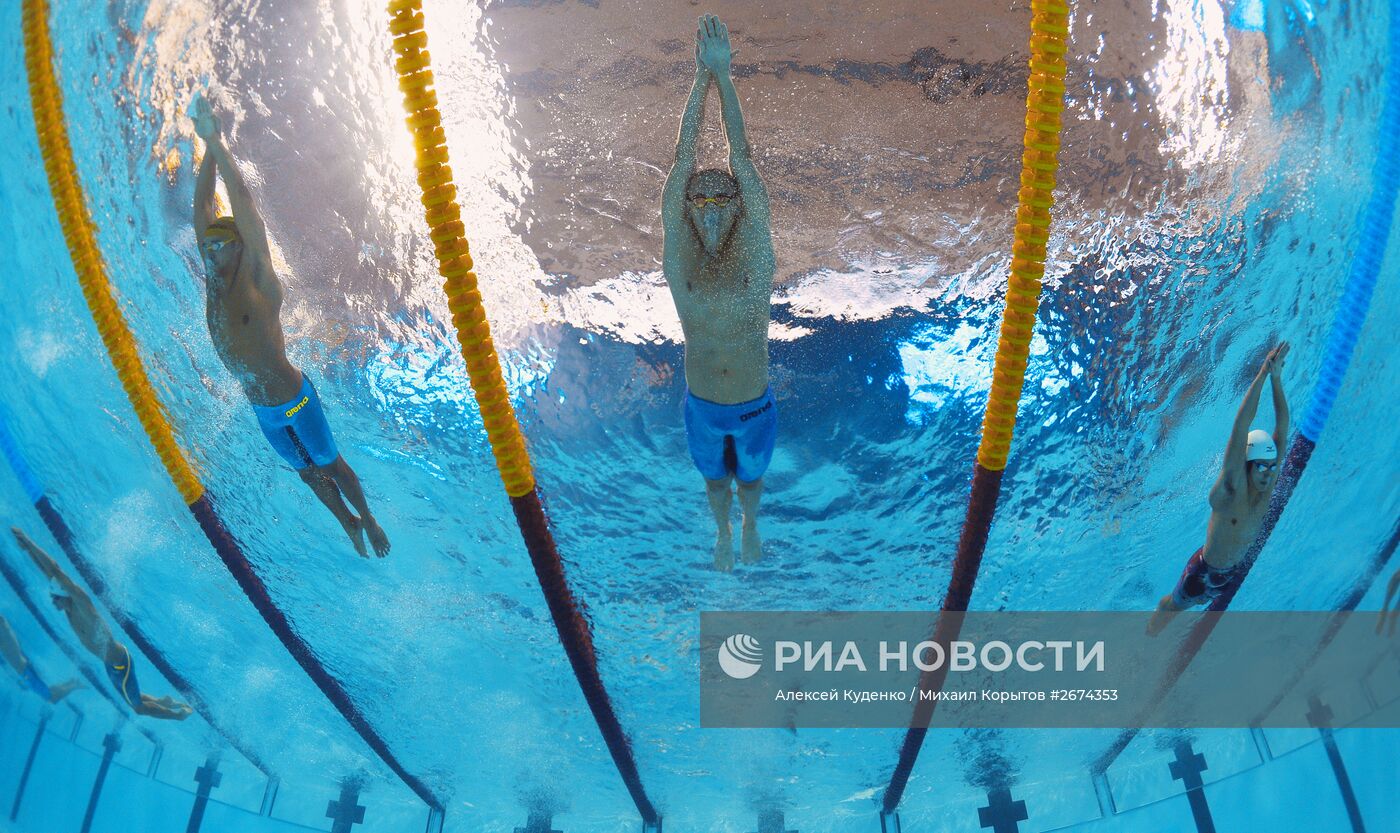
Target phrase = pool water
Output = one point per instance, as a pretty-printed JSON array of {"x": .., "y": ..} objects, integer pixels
[{"x": 1211, "y": 179}]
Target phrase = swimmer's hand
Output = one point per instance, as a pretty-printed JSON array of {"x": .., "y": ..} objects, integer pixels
[
  {"x": 1274, "y": 362},
  {"x": 714, "y": 47},
  {"x": 41, "y": 559},
  {"x": 1166, "y": 611},
  {"x": 206, "y": 124}
]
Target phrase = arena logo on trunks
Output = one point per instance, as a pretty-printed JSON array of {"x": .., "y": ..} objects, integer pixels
[
  {"x": 298, "y": 406},
  {"x": 751, "y": 414}
]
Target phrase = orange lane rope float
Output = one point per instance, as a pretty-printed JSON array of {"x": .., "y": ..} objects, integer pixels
[
  {"x": 80, "y": 235},
  {"x": 448, "y": 233},
  {"x": 1045, "y": 101}
]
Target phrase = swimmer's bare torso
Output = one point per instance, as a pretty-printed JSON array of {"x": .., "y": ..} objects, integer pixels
[
  {"x": 1235, "y": 517},
  {"x": 721, "y": 285},
  {"x": 724, "y": 306},
  {"x": 243, "y": 296},
  {"x": 243, "y": 307}
]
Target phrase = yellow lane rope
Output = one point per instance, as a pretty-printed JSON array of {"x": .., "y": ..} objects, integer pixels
[
  {"x": 80, "y": 235},
  {"x": 444, "y": 216},
  {"x": 1039, "y": 161}
]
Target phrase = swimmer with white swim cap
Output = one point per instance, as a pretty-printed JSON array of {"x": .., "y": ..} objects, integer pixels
[{"x": 1238, "y": 500}]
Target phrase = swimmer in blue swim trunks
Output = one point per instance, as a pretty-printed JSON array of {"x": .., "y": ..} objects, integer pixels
[
  {"x": 243, "y": 306},
  {"x": 93, "y": 632},
  {"x": 29, "y": 678},
  {"x": 1238, "y": 500},
  {"x": 719, "y": 264}
]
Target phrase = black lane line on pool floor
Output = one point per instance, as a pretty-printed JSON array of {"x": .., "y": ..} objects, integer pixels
[
  {"x": 1320, "y": 716},
  {"x": 110, "y": 745},
  {"x": 1350, "y": 602},
  {"x": 1187, "y": 769},
  {"x": 29, "y": 765}
]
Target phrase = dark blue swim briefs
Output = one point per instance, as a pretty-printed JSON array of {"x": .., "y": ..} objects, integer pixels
[
  {"x": 731, "y": 439},
  {"x": 297, "y": 429}
]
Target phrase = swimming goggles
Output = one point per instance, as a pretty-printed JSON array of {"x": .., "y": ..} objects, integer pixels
[
  {"x": 721, "y": 200},
  {"x": 1266, "y": 466},
  {"x": 217, "y": 244}
]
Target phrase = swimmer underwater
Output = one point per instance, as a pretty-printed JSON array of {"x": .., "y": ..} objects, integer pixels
[
  {"x": 1238, "y": 500},
  {"x": 243, "y": 306},
  {"x": 28, "y": 677},
  {"x": 719, "y": 264},
  {"x": 97, "y": 638}
]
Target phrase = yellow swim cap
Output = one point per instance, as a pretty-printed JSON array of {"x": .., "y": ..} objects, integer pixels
[{"x": 223, "y": 228}]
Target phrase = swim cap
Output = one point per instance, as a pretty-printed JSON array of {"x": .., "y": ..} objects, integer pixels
[
  {"x": 223, "y": 228},
  {"x": 1260, "y": 446}
]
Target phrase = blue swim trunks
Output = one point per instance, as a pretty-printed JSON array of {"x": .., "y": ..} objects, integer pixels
[
  {"x": 731, "y": 439},
  {"x": 297, "y": 430},
  {"x": 33, "y": 683},
  {"x": 123, "y": 676}
]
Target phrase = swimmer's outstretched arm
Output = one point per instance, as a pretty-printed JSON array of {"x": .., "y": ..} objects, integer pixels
[
  {"x": 673, "y": 195},
  {"x": 1232, "y": 469},
  {"x": 47, "y": 565},
  {"x": 205, "y": 211},
  {"x": 717, "y": 54},
  {"x": 245, "y": 212},
  {"x": 1275, "y": 363}
]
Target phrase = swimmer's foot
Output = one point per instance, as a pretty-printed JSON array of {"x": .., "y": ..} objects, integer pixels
[
  {"x": 724, "y": 550},
  {"x": 750, "y": 545},
  {"x": 356, "y": 531},
  {"x": 1165, "y": 613},
  {"x": 58, "y": 692},
  {"x": 377, "y": 538},
  {"x": 164, "y": 708}
]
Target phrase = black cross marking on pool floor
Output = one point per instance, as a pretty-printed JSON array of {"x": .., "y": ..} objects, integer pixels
[
  {"x": 1320, "y": 716},
  {"x": 1187, "y": 769},
  {"x": 346, "y": 812},
  {"x": 771, "y": 821},
  {"x": 1001, "y": 813},
  {"x": 208, "y": 777},
  {"x": 537, "y": 822}
]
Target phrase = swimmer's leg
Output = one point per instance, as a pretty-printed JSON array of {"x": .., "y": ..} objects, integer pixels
[
  {"x": 721, "y": 497},
  {"x": 163, "y": 708},
  {"x": 58, "y": 692},
  {"x": 14, "y": 655},
  {"x": 750, "y": 545},
  {"x": 323, "y": 485},
  {"x": 349, "y": 484}
]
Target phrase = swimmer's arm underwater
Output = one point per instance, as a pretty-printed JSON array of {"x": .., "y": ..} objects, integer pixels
[
  {"x": 1230, "y": 471},
  {"x": 673, "y": 195},
  {"x": 718, "y": 57},
  {"x": 1280, "y": 399},
  {"x": 205, "y": 211},
  {"x": 47, "y": 565},
  {"x": 245, "y": 212}
]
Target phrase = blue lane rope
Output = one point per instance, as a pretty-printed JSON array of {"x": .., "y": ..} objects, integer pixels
[{"x": 1373, "y": 233}]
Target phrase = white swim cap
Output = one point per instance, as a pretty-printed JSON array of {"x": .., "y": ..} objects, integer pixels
[{"x": 1260, "y": 446}]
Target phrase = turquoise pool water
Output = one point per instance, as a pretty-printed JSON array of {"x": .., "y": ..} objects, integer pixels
[{"x": 1211, "y": 185}]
